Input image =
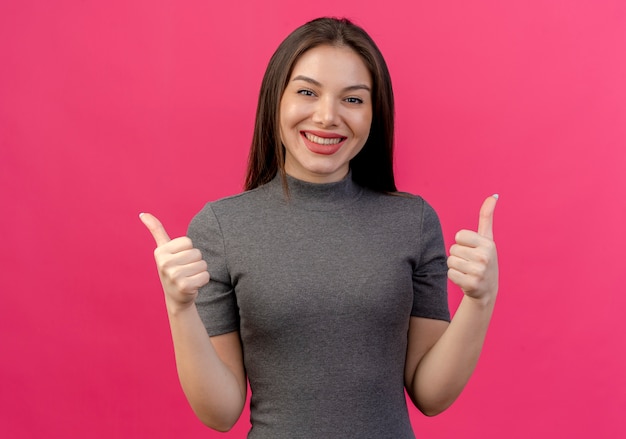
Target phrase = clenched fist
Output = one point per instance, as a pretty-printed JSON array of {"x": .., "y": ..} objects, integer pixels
[
  {"x": 181, "y": 267},
  {"x": 473, "y": 260}
]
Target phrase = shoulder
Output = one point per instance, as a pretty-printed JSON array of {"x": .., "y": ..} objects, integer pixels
[
  {"x": 233, "y": 211},
  {"x": 241, "y": 202},
  {"x": 404, "y": 213},
  {"x": 401, "y": 202}
]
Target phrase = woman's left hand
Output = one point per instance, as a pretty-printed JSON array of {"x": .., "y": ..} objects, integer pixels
[{"x": 473, "y": 260}]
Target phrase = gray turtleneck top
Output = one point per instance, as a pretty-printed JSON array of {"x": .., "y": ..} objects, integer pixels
[{"x": 321, "y": 286}]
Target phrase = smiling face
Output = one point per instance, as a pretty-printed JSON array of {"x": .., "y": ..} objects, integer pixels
[{"x": 325, "y": 113}]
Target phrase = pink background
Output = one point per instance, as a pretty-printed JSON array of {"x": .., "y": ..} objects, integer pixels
[{"x": 111, "y": 108}]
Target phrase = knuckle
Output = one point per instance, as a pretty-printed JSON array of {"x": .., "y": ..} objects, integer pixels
[
  {"x": 181, "y": 284},
  {"x": 166, "y": 263},
  {"x": 480, "y": 272},
  {"x": 482, "y": 258},
  {"x": 451, "y": 273},
  {"x": 490, "y": 246},
  {"x": 196, "y": 254},
  {"x": 158, "y": 253}
]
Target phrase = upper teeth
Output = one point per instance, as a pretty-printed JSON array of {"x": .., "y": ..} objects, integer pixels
[{"x": 323, "y": 140}]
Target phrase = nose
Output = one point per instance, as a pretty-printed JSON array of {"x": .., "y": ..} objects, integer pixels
[{"x": 326, "y": 112}]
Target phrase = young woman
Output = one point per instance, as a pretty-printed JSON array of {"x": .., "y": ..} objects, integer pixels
[{"x": 327, "y": 288}]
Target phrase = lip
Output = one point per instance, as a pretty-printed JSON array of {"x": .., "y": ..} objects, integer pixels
[{"x": 323, "y": 149}]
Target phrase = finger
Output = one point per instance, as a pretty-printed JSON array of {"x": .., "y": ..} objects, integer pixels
[
  {"x": 195, "y": 282},
  {"x": 468, "y": 238},
  {"x": 191, "y": 270},
  {"x": 155, "y": 227},
  {"x": 485, "y": 219},
  {"x": 458, "y": 278},
  {"x": 465, "y": 267},
  {"x": 457, "y": 264},
  {"x": 180, "y": 247}
]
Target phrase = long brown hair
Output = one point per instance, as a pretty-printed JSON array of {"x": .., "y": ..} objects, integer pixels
[{"x": 373, "y": 166}]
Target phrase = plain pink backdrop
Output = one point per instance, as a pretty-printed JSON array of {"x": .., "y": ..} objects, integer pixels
[{"x": 111, "y": 108}]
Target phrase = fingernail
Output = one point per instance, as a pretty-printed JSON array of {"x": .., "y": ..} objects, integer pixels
[
  {"x": 140, "y": 214},
  {"x": 496, "y": 196}
]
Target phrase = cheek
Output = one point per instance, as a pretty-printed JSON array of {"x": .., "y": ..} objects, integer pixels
[
  {"x": 286, "y": 125},
  {"x": 365, "y": 124},
  {"x": 292, "y": 114},
  {"x": 283, "y": 123}
]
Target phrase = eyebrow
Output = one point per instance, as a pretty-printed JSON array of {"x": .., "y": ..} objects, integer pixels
[{"x": 319, "y": 84}]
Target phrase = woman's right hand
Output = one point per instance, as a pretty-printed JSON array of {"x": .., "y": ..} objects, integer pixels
[{"x": 181, "y": 267}]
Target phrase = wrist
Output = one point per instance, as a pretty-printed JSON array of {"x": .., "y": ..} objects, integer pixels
[
  {"x": 176, "y": 308},
  {"x": 484, "y": 302}
]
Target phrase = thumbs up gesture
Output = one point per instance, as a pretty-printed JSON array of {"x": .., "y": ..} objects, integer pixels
[
  {"x": 473, "y": 260},
  {"x": 181, "y": 267}
]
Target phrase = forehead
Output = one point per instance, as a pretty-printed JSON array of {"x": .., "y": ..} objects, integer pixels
[{"x": 332, "y": 64}]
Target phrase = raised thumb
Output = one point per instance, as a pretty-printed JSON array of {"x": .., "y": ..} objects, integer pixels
[
  {"x": 485, "y": 219},
  {"x": 156, "y": 228}
]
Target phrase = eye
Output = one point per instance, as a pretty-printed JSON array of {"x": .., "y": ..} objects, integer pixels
[
  {"x": 354, "y": 100},
  {"x": 305, "y": 92}
]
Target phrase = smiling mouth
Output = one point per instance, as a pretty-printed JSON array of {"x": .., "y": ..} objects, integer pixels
[{"x": 323, "y": 140}]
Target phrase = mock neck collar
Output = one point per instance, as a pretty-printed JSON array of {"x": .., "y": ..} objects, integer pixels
[{"x": 317, "y": 196}]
